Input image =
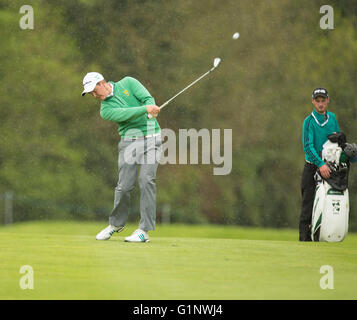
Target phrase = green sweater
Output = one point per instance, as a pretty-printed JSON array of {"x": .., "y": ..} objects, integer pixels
[
  {"x": 314, "y": 134},
  {"x": 127, "y": 107}
]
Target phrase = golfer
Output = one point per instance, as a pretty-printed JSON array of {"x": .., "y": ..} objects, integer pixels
[
  {"x": 128, "y": 103},
  {"x": 316, "y": 127}
]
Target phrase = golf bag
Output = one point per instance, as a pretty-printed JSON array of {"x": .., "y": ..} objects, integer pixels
[
  {"x": 331, "y": 203},
  {"x": 330, "y": 213}
]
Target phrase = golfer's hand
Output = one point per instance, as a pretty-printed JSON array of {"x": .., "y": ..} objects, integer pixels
[
  {"x": 325, "y": 171},
  {"x": 153, "y": 110}
]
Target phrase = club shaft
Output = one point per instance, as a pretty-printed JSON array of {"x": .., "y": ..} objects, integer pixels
[{"x": 191, "y": 84}]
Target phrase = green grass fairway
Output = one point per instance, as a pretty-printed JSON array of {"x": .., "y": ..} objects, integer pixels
[{"x": 180, "y": 262}]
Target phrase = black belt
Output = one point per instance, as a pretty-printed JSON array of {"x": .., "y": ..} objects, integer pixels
[{"x": 310, "y": 163}]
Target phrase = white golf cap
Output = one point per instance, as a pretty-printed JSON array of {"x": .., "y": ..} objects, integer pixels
[{"x": 90, "y": 81}]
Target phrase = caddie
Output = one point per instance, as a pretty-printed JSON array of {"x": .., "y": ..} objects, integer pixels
[
  {"x": 316, "y": 128},
  {"x": 128, "y": 103}
]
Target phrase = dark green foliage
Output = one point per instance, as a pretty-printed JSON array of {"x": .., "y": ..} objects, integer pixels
[{"x": 60, "y": 157}]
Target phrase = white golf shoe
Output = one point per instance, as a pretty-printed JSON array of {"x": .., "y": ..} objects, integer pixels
[
  {"x": 138, "y": 236},
  {"x": 106, "y": 233}
]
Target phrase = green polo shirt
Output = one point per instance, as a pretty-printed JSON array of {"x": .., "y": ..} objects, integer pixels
[
  {"x": 315, "y": 130},
  {"x": 127, "y": 107}
]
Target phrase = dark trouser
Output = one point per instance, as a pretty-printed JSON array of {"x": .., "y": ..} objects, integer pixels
[{"x": 308, "y": 185}]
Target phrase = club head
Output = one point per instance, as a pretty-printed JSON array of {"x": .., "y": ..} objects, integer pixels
[{"x": 216, "y": 62}]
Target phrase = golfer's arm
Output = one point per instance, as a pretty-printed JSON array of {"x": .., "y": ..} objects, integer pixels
[
  {"x": 121, "y": 114},
  {"x": 140, "y": 92},
  {"x": 337, "y": 127},
  {"x": 309, "y": 148}
]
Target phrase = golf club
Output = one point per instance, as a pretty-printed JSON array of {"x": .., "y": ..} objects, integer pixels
[{"x": 216, "y": 62}]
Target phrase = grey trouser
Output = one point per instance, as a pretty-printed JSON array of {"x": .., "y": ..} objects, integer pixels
[{"x": 146, "y": 153}]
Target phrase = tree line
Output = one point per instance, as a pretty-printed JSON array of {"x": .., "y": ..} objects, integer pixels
[{"x": 60, "y": 158}]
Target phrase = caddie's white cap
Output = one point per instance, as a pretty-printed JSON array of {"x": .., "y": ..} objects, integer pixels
[{"x": 90, "y": 81}]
